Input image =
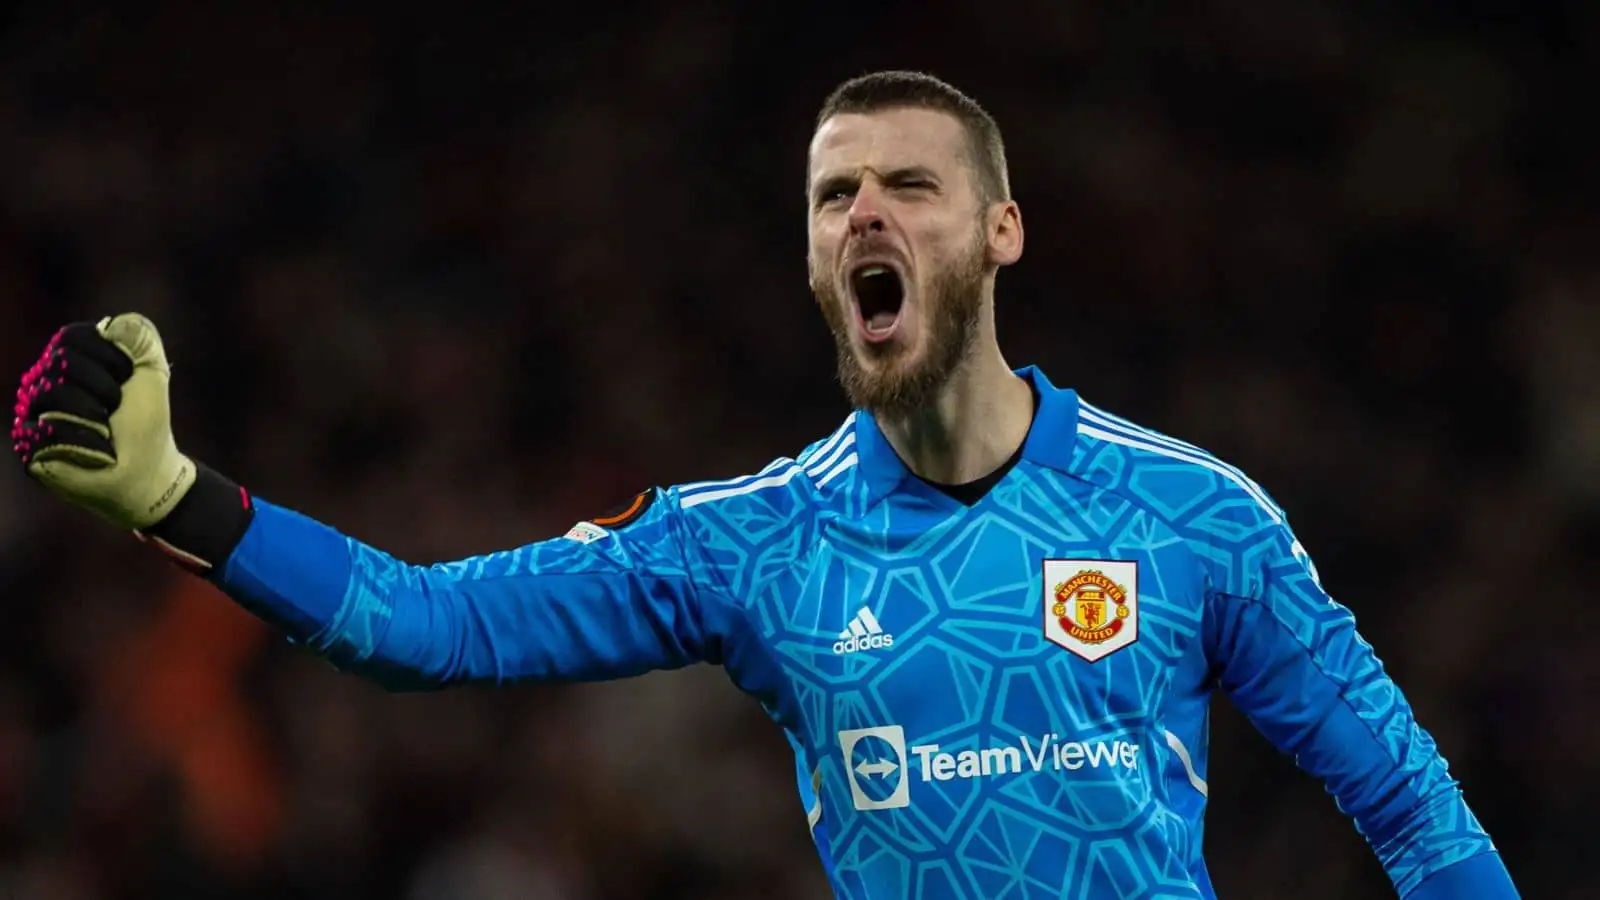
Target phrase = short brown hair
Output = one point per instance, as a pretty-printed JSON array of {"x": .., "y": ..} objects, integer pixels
[{"x": 877, "y": 91}]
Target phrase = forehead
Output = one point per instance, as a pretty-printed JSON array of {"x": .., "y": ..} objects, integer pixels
[{"x": 888, "y": 139}]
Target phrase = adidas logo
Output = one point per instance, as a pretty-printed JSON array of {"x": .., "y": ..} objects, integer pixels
[{"x": 864, "y": 633}]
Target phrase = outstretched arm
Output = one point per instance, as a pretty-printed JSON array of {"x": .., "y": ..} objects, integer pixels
[{"x": 597, "y": 604}]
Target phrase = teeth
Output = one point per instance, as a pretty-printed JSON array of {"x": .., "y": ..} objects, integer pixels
[{"x": 870, "y": 271}]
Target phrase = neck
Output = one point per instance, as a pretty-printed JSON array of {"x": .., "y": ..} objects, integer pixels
[{"x": 977, "y": 421}]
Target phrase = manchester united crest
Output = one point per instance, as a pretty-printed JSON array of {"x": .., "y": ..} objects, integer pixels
[{"x": 1091, "y": 606}]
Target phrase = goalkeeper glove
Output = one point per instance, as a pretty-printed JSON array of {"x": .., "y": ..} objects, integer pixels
[{"x": 93, "y": 425}]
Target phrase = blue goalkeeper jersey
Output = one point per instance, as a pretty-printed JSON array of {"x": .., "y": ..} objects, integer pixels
[{"x": 1007, "y": 699}]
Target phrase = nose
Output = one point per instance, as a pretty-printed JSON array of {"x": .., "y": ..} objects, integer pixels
[{"x": 866, "y": 212}]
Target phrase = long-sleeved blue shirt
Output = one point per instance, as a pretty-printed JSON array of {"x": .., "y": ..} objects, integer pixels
[{"x": 1007, "y": 698}]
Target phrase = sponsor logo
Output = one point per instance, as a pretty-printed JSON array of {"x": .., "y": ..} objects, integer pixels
[
  {"x": 875, "y": 764},
  {"x": 881, "y": 768}
]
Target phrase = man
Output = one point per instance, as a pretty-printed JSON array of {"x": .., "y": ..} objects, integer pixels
[{"x": 988, "y": 615}]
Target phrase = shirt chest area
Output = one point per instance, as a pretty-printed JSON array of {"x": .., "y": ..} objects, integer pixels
[{"x": 997, "y": 620}]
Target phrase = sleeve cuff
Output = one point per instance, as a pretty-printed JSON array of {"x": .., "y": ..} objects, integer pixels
[{"x": 202, "y": 531}]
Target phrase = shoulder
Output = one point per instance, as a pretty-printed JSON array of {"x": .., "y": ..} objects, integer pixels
[
  {"x": 729, "y": 522},
  {"x": 1194, "y": 491},
  {"x": 1233, "y": 525},
  {"x": 784, "y": 490}
]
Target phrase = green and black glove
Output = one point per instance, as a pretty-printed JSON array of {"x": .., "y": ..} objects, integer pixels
[{"x": 94, "y": 425}]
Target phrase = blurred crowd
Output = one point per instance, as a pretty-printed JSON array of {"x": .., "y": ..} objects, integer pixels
[{"x": 453, "y": 279}]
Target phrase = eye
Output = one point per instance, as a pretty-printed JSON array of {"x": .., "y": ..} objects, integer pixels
[{"x": 833, "y": 197}]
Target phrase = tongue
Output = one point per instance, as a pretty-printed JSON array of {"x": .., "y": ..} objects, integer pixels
[{"x": 881, "y": 320}]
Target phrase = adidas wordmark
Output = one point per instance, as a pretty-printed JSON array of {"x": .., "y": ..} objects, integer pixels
[{"x": 864, "y": 633}]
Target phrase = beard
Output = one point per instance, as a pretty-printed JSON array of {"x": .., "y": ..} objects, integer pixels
[{"x": 899, "y": 383}]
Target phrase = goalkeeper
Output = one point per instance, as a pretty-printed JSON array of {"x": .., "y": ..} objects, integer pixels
[{"x": 989, "y": 617}]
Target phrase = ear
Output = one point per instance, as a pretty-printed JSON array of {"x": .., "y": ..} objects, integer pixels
[{"x": 1004, "y": 232}]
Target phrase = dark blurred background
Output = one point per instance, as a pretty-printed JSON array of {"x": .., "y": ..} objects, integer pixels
[{"x": 453, "y": 279}]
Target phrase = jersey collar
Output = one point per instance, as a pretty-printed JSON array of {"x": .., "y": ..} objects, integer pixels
[{"x": 1049, "y": 443}]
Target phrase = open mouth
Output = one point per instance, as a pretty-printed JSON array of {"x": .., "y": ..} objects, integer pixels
[{"x": 879, "y": 298}]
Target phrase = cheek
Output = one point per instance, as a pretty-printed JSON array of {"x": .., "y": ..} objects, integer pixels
[
  {"x": 818, "y": 256},
  {"x": 937, "y": 243},
  {"x": 947, "y": 249},
  {"x": 820, "y": 239},
  {"x": 815, "y": 273},
  {"x": 826, "y": 230}
]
